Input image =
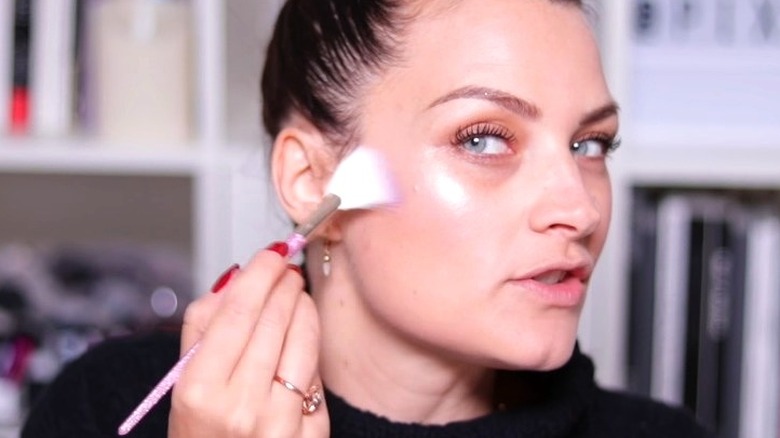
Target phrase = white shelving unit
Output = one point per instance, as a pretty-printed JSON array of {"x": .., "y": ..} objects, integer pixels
[
  {"x": 231, "y": 211},
  {"x": 220, "y": 165},
  {"x": 658, "y": 155},
  {"x": 79, "y": 156}
]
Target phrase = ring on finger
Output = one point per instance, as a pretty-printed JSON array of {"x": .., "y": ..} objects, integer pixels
[{"x": 312, "y": 399}]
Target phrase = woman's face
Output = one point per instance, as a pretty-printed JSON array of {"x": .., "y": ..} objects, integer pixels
[{"x": 496, "y": 124}]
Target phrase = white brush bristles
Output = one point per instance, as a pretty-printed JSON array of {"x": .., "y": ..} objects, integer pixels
[{"x": 362, "y": 180}]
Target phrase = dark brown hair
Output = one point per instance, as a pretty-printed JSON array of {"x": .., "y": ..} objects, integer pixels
[{"x": 320, "y": 54}]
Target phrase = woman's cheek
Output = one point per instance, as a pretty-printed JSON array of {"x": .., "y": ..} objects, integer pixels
[{"x": 448, "y": 191}]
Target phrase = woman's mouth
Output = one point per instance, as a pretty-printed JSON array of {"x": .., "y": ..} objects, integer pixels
[
  {"x": 550, "y": 278},
  {"x": 556, "y": 287}
]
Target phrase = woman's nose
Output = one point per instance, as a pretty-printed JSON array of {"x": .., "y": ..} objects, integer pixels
[{"x": 565, "y": 202}]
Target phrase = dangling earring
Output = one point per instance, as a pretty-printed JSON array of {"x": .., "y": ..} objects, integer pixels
[{"x": 326, "y": 258}]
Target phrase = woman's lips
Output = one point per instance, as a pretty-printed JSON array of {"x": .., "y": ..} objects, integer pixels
[{"x": 569, "y": 291}]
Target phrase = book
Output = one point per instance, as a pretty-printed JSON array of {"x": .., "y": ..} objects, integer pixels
[
  {"x": 80, "y": 62},
  {"x": 19, "y": 111},
  {"x": 153, "y": 106},
  {"x": 714, "y": 296},
  {"x": 52, "y": 75},
  {"x": 697, "y": 258},
  {"x": 728, "y": 413},
  {"x": 6, "y": 61},
  {"x": 760, "y": 389},
  {"x": 671, "y": 298},
  {"x": 642, "y": 291}
]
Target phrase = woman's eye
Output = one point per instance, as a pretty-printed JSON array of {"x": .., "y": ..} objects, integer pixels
[
  {"x": 484, "y": 139},
  {"x": 486, "y": 144},
  {"x": 594, "y": 147}
]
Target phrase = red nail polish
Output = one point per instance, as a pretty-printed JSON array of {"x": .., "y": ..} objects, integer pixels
[
  {"x": 295, "y": 268},
  {"x": 280, "y": 248},
  {"x": 224, "y": 279}
]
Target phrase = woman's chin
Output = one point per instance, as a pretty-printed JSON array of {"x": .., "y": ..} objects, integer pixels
[{"x": 541, "y": 355}]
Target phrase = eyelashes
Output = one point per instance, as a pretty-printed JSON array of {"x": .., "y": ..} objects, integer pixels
[
  {"x": 484, "y": 139},
  {"x": 595, "y": 145},
  {"x": 482, "y": 129}
]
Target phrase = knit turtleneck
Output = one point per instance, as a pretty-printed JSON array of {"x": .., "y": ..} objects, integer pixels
[
  {"x": 562, "y": 398},
  {"x": 95, "y": 393}
]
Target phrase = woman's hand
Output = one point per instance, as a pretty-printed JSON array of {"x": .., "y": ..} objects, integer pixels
[{"x": 261, "y": 324}]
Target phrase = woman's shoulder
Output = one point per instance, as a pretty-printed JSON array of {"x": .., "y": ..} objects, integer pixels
[
  {"x": 624, "y": 414},
  {"x": 132, "y": 358},
  {"x": 125, "y": 364},
  {"x": 159, "y": 347},
  {"x": 94, "y": 393}
]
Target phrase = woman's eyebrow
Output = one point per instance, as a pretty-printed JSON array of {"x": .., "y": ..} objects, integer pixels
[
  {"x": 501, "y": 98},
  {"x": 604, "y": 112},
  {"x": 518, "y": 105}
]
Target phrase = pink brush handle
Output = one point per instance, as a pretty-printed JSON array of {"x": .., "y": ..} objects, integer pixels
[
  {"x": 158, "y": 392},
  {"x": 295, "y": 242}
]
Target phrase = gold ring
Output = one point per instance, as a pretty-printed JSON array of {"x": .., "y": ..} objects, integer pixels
[{"x": 312, "y": 399}]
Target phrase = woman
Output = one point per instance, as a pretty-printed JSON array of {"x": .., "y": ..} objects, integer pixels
[{"x": 454, "y": 314}]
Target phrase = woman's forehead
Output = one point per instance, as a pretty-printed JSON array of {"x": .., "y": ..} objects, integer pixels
[
  {"x": 525, "y": 47},
  {"x": 497, "y": 31}
]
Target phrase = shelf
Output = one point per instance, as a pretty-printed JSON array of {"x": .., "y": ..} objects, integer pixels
[
  {"x": 699, "y": 166},
  {"x": 701, "y": 137},
  {"x": 89, "y": 157},
  {"x": 56, "y": 208}
]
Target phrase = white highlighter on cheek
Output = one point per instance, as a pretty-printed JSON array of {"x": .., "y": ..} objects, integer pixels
[
  {"x": 360, "y": 181},
  {"x": 449, "y": 190}
]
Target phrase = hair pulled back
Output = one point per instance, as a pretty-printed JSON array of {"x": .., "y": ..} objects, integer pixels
[{"x": 321, "y": 54}]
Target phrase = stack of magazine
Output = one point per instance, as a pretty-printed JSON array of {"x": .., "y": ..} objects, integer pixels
[{"x": 705, "y": 306}]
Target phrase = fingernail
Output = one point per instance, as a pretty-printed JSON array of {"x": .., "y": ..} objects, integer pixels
[
  {"x": 280, "y": 248},
  {"x": 295, "y": 268},
  {"x": 224, "y": 279}
]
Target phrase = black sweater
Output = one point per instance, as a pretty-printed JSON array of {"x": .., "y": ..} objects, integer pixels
[{"x": 95, "y": 393}]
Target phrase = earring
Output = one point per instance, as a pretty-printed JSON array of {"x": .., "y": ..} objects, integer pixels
[{"x": 326, "y": 258}]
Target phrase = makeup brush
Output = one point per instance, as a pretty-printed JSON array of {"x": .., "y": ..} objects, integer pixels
[{"x": 360, "y": 181}]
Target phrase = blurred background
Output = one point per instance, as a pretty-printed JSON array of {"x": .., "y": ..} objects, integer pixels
[{"x": 133, "y": 171}]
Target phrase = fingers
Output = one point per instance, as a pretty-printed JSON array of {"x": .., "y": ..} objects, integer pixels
[
  {"x": 233, "y": 323},
  {"x": 300, "y": 354},
  {"x": 260, "y": 357},
  {"x": 197, "y": 317},
  {"x": 316, "y": 425},
  {"x": 297, "y": 365},
  {"x": 262, "y": 324},
  {"x": 198, "y": 314}
]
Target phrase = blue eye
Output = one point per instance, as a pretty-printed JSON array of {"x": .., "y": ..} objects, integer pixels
[
  {"x": 484, "y": 139},
  {"x": 599, "y": 146},
  {"x": 488, "y": 145}
]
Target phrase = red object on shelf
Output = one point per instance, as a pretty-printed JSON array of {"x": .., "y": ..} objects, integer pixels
[{"x": 20, "y": 110}]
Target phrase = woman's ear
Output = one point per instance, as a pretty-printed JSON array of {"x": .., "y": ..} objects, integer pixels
[{"x": 301, "y": 165}]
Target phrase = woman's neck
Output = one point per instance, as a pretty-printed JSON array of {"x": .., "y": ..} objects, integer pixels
[{"x": 381, "y": 371}]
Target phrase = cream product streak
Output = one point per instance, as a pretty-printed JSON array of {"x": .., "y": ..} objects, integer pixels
[{"x": 360, "y": 181}]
